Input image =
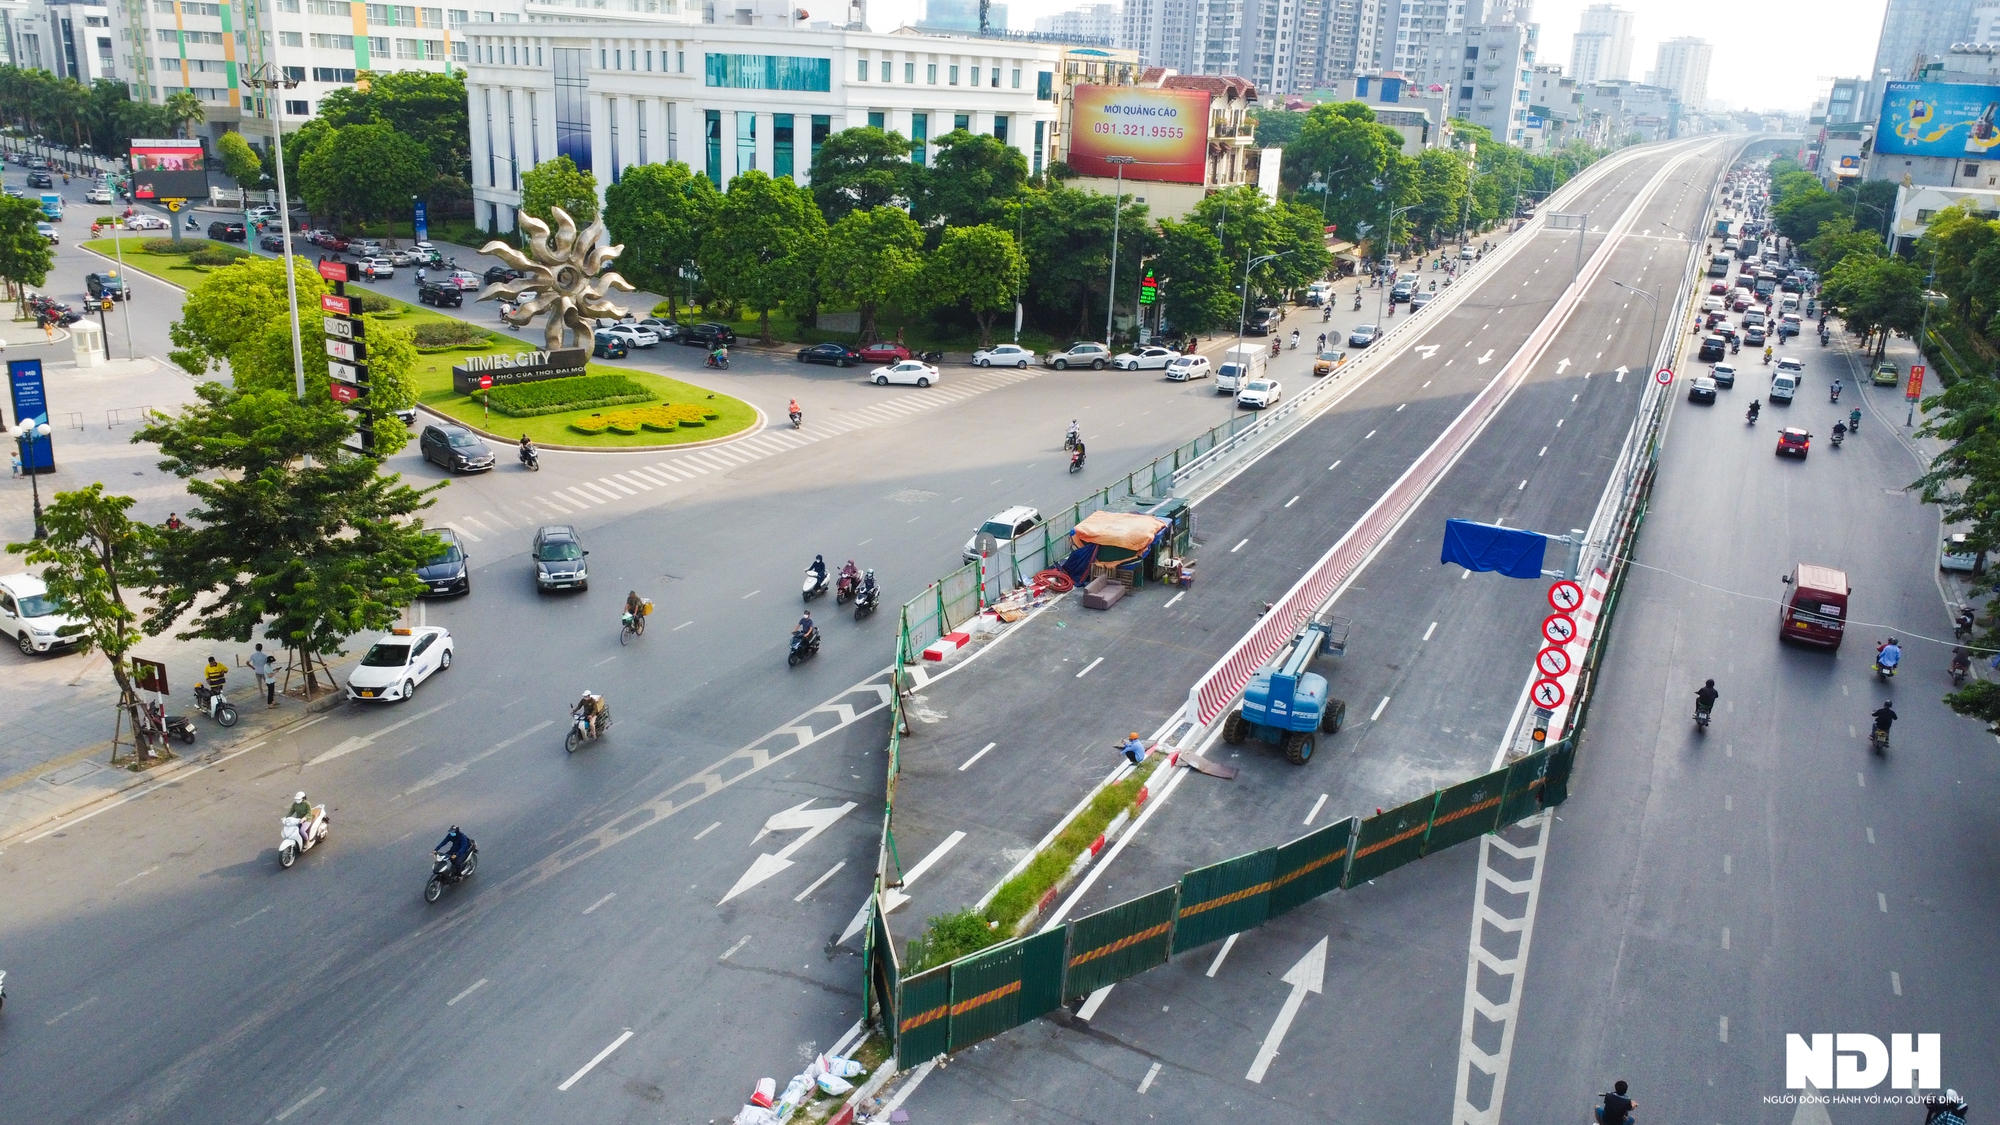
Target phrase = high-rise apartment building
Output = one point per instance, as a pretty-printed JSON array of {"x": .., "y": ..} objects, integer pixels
[
  {"x": 1487, "y": 71},
  {"x": 961, "y": 15},
  {"x": 1682, "y": 66},
  {"x": 1098, "y": 24},
  {"x": 1913, "y": 32},
  {"x": 1603, "y": 46}
]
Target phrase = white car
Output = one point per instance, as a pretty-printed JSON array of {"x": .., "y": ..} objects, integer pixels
[
  {"x": 146, "y": 222},
  {"x": 397, "y": 663},
  {"x": 908, "y": 371},
  {"x": 35, "y": 620},
  {"x": 1003, "y": 355},
  {"x": 377, "y": 268},
  {"x": 49, "y": 231},
  {"x": 97, "y": 195},
  {"x": 635, "y": 336},
  {"x": 1140, "y": 359},
  {"x": 256, "y": 214},
  {"x": 1258, "y": 392},
  {"x": 1182, "y": 368}
]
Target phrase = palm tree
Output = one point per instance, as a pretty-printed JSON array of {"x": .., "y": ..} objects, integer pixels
[{"x": 184, "y": 111}]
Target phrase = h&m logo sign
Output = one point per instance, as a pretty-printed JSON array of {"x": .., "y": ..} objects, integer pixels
[{"x": 1850, "y": 1061}]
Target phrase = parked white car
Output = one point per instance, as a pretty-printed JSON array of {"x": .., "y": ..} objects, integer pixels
[
  {"x": 397, "y": 663},
  {"x": 1146, "y": 359},
  {"x": 1003, "y": 355},
  {"x": 35, "y": 620},
  {"x": 1183, "y": 368},
  {"x": 1258, "y": 393},
  {"x": 913, "y": 371},
  {"x": 635, "y": 336}
]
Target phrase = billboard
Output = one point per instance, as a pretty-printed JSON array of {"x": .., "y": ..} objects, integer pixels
[
  {"x": 1164, "y": 131},
  {"x": 169, "y": 169},
  {"x": 1938, "y": 119}
]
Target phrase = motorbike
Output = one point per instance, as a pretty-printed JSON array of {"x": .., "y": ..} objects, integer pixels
[
  {"x": 1750, "y": 415},
  {"x": 298, "y": 835},
  {"x": 578, "y": 734},
  {"x": 845, "y": 588},
  {"x": 1701, "y": 718},
  {"x": 865, "y": 600},
  {"x": 798, "y": 419},
  {"x": 1884, "y": 672},
  {"x": 1961, "y": 665},
  {"x": 216, "y": 704},
  {"x": 1822, "y": 339},
  {"x": 1295, "y": 341},
  {"x": 1357, "y": 306},
  {"x": 1878, "y": 739},
  {"x": 1833, "y": 393},
  {"x": 1076, "y": 461},
  {"x": 802, "y": 647},
  {"x": 1962, "y": 627},
  {"x": 1838, "y": 435},
  {"x": 1277, "y": 346},
  {"x": 1070, "y": 440},
  {"x": 1326, "y": 313},
  {"x": 815, "y": 585},
  {"x": 1854, "y": 421},
  {"x": 932, "y": 358},
  {"x": 531, "y": 460},
  {"x": 443, "y": 874},
  {"x": 163, "y": 726},
  {"x": 720, "y": 363}
]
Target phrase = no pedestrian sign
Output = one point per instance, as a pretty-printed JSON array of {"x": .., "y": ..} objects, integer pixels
[{"x": 1547, "y": 694}]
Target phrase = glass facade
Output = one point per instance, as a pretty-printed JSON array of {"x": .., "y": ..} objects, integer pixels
[
  {"x": 920, "y": 132},
  {"x": 746, "y": 141},
  {"x": 961, "y": 121},
  {"x": 877, "y": 120},
  {"x": 822, "y": 126},
  {"x": 1036, "y": 167},
  {"x": 1045, "y": 86},
  {"x": 1000, "y": 127},
  {"x": 572, "y": 75},
  {"x": 781, "y": 144},
  {"x": 770, "y": 72},
  {"x": 712, "y": 129}
]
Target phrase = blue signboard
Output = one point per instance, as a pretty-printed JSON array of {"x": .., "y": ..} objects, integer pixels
[
  {"x": 1534, "y": 122},
  {"x": 422, "y": 221},
  {"x": 1938, "y": 119},
  {"x": 31, "y": 408}
]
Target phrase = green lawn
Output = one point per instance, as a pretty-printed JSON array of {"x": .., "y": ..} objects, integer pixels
[{"x": 433, "y": 373}]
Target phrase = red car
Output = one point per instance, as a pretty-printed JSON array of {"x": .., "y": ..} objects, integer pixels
[
  {"x": 885, "y": 353},
  {"x": 1718, "y": 288},
  {"x": 1793, "y": 443},
  {"x": 1741, "y": 303}
]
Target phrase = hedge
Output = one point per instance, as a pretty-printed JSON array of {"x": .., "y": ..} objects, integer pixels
[
  {"x": 443, "y": 335},
  {"x": 665, "y": 418},
  {"x": 216, "y": 254},
  {"x": 172, "y": 245},
  {"x": 552, "y": 396}
]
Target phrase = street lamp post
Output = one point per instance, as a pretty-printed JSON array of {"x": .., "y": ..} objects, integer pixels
[
  {"x": 1388, "y": 239},
  {"x": 1243, "y": 313},
  {"x": 30, "y": 435},
  {"x": 1117, "y": 208},
  {"x": 270, "y": 79},
  {"x": 1656, "y": 310}
]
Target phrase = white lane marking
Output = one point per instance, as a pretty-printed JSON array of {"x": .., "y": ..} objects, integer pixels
[
  {"x": 1152, "y": 1072},
  {"x": 1088, "y": 667},
  {"x": 680, "y": 626},
  {"x": 1228, "y": 944},
  {"x": 63, "y": 1015},
  {"x": 801, "y": 896},
  {"x": 1513, "y": 970},
  {"x": 1544, "y": 452},
  {"x": 451, "y": 771},
  {"x": 592, "y": 1064},
  {"x": 173, "y": 779},
  {"x": 1881, "y": 900},
  {"x": 632, "y": 480},
  {"x": 1369, "y": 434},
  {"x": 302, "y": 1103},
  {"x": 611, "y": 485},
  {"x": 751, "y": 594},
  {"x": 1871, "y": 835},
  {"x": 707, "y": 830},
  {"x": 139, "y": 876},
  {"x": 895, "y": 1103},
  {"x": 1093, "y": 1002},
  {"x": 809, "y": 823},
  {"x": 475, "y": 987},
  {"x": 1399, "y": 409},
  {"x": 1728, "y": 863},
  {"x": 976, "y": 757},
  {"x": 1175, "y": 598},
  {"x": 1725, "y": 937},
  {"x": 360, "y": 742},
  {"x": 1291, "y": 502},
  {"x": 731, "y": 951},
  {"x": 605, "y": 661},
  {"x": 1378, "y": 709},
  {"x": 1722, "y": 1032},
  {"x": 1523, "y": 486},
  {"x": 600, "y": 902},
  {"x": 252, "y": 917},
  {"x": 465, "y": 532},
  {"x": 1238, "y": 546},
  {"x": 581, "y": 495},
  {"x": 1429, "y": 631},
  {"x": 1333, "y": 466},
  {"x": 1896, "y": 983},
  {"x": 1308, "y": 976},
  {"x": 1317, "y": 805},
  {"x": 1560, "y": 421},
  {"x": 585, "y": 489},
  {"x": 894, "y": 897},
  {"x": 1860, "y": 780}
]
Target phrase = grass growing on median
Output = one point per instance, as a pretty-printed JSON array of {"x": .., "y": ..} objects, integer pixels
[{"x": 948, "y": 937}]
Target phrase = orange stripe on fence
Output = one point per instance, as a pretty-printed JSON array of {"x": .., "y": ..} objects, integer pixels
[
  {"x": 1468, "y": 810},
  {"x": 964, "y": 1006},
  {"x": 1393, "y": 840},
  {"x": 1225, "y": 900},
  {"x": 1315, "y": 865},
  {"x": 921, "y": 1018},
  {"x": 1121, "y": 943}
]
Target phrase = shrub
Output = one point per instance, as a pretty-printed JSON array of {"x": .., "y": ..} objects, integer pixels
[
  {"x": 553, "y": 396},
  {"x": 216, "y": 254},
  {"x": 665, "y": 418},
  {"x": 172, "y": 245},
  {"x": 376, "y": 303},
  {"x": 451, "y": 334}
]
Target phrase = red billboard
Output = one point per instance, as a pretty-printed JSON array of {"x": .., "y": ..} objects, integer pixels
[
  {"x": 1163, "y": 132},
  {"x": 169, "y": 169}
]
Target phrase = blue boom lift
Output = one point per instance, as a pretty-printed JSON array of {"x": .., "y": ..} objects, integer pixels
[{"x": 1285, "y": 705}]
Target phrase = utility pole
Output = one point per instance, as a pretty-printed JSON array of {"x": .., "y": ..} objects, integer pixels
[{"x": 1117, "y": 209}]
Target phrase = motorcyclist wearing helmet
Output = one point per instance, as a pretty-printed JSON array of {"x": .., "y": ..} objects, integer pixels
[
  {"x": 1889, "y": 654},
  {"x": 868, "y": 581},
  {"x": 457, "y": 845},
  {"x": 1884, "y": 716},
  {"x": 301, "y": 808},
  {"x": 590, "y": 708},
  {"x": 1947, "y": 1110},
  {"x": 1705, "y": 697}
]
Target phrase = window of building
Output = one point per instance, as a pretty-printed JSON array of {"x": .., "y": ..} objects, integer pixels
[
  {"x": 822, "y": 126},
  {"x": 611, "y": 125},
  {"x": 877, "y": 120},
  {"x": 649, "y": 66},
  {"x": 886, "y": 64},
  {"x": 770, "y": 72},
  {"x": 713, "y": 129},
  {"x": 975, "y": 76},
  {"x": 746, "y": 141},
  {"x": 492, "y": 164},
  {"x": 513, "y": 149},
  {"x": 910, "y": 73},
  {"x": 1472, "y": 52},
  {"x": 930, "y": 74},
  {"x": 1924, "y": 216},
  {"x": 1037, "y": 165},
  {"x": 680, "y": 62},
  {"x": 920, "y": 132},
  {"x": 298, "y": 108},
  {"x": 459, "y": 16},
  {"x": 378, "y": 46},
  {"x": 291, "y": 39},
  {"x": 954, "y": 74},
  {"x": 340, "y": 8},
  {"x": 430, "y": 17},
  {"x": 639, "y": 123},
  {"x": 603, "y": 59},
  {"x": 1017, "y": 78},
  {"x": 1045, "y": 86},
  {"x": 861, "y": 70},
  {"x": 572, "y": 81},
  {"x": 961, "y": 121},
  {"x": 1972, "y": 169},
  {"x": 1000, "y": 127},
  {"x": 342, "y": 74},
  {"x": 293, "y": 73},
  {"x": 460, "y": 51},
  {"x": 288, "y": 5},
  {"x": 333, "y": 42},
  {"x": 781, "y": 144},
  {"x": 1465, "y": 93},
  {"x": 996, "y": 78}
]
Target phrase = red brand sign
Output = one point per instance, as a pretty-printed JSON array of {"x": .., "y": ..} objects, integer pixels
[
  {"x": 333, "y": 271},
  {"x": 341, "y": 305},
  {"x": 343, "y": 392},
  {"x": 1915, "y": 389}
]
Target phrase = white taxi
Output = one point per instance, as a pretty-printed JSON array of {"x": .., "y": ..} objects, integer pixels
[{"x": 398, "y": 662}]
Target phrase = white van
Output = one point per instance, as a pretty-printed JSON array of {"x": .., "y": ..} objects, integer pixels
[{"x": 1783, "y": 385}]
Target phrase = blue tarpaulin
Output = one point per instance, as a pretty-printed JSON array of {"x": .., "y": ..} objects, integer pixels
[{"x": 1485, "y": 546}]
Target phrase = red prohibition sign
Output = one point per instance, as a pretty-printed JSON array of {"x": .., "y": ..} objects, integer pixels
[
  {"x": 1553, "y": 662},
  {"x": 1664, "y": 376},
  {"x": 1547, "y": 694},
  {"x": 1558, "y": 628},
  {"x": 1565, "y": 596}
]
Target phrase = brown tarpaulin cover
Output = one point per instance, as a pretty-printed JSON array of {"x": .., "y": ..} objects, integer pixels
[{"x": 1128, "y": 531}]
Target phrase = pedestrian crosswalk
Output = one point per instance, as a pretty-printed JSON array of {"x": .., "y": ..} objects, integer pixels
[{"x": 633, "y": 480}]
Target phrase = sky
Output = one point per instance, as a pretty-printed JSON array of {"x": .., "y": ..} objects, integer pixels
[{"x": 1767, "y": 55}]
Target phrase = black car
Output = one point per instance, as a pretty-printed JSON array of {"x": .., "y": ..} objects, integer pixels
[
  {"x": 272, "y": 242},
  {"x": 838, "y": 355},
  {"x": 707, "y": 335},
  {"x": 1402, "y": 290},
  {"x": 1263, "y": 322},
  {"x": 442, "y": 295},
  {"x": 40, "y": 179},
  {"x": 455, "y": 449},
  {"x": 1702, "y": 390},
  {"x": 227, "y": 231},
  {"x": 497, "y": 274},
  {"x": 558, "y": 557},
  {"x": 448, "y": 573},
  {"x": 106, "y": 285},
  {"x": 606, "y": 345},
  {"x": 1713, "y": 348}
]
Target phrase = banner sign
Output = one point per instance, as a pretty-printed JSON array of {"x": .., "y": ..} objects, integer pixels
[
  {"x": 1164, "y": 131},
  {"x": 341, "y": 305},
  {"x": 422, "y": 221},
  {"x": 169, "y": 169},
  {"x": 334, "y": 271},
  {"x": 1915, "y": 389},
  {"x": 31, "y": 407},
  {"x": 521, "y": 367},
  {"x": 1938, "y": 119}
]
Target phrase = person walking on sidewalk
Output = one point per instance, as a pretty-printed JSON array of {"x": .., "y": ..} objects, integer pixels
[{"x": 261, "y": 666}]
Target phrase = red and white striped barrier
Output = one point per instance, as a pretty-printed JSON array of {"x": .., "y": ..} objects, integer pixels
[{"x": 946, "y": 645}]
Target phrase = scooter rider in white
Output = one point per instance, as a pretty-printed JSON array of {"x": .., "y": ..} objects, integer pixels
[{"x": 301, "y": 808}]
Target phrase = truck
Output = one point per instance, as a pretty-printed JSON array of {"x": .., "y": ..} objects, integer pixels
[
  {"x": 52, "y": 206},
  {"x": 1748, "y": 249},
  {"x": 1721, "y": 229},
  {"x": 1287, "y": 705},
  {"x": 1240, "y": 364},
  {"x": 1718, "y": 265}
]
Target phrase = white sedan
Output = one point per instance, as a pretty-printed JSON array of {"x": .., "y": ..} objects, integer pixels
[
  {"x": 146, "y": 222},
  {"x": 1180, "y": 369},
  {"x": 908, "y": 371},
  {"x": 1140, "y": 359},
  {"x": 97, "y": 195},
  {"x": 634, "y": 336},
  {"x": 1003, "y": 355},
  {"x": 1258, "y": 392},
  {"x": 397, "y": 663}
]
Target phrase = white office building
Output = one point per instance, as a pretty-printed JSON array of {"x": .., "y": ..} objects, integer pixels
[
  {"x": 1095, "y": 24},
  {"x": 1602, "y": 49},
  {"x": 1682, "y": 66},
  {"x": 67, "y": 40},
  {"x": 726, "y": 98}
]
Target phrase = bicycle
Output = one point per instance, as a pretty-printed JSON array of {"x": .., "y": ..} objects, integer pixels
[{"x": 632, "y": 625}]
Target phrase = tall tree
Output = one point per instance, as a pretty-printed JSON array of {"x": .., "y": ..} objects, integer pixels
[
  {"x": 1837, "y": 240},
  {"x": 288, "y": 533},
  {"x": 1279, "y": 128},
  {"x": 1067, "y": 238},
  {"x": 1876, "y": 295},
  {"x": 971, "y": 181},
  {"x": 224, "y": 315},
  {"x": 861, "y": 169},
  {"x": 762, "y": 249},
  {"x": 1351, "y": 152},
  {"x": 658, "y": 211},
  {"x": 1441, "y": 180},
  {"x": 93, "y": 554},
  {"x": 364, "y": 172},
  {"x": 242, "y": 162},
  {"x": 979, "y": 269},
  {"x": 429, "y": 107},
  {"x": 871, "y": 259},
  {"x": 183, "y": 112},
  {"x": 25, "y": 255},
  {"x": 1196, "y": 283},
  {"x": 559, "y": 183}
]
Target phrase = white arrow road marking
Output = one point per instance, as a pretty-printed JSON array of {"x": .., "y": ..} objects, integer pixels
[
  {"x": 1309, "y": 975},
  {"x": 361, "y": 742},
  {"x": 814, "y": 821},
  {"x": 1426, "y": 350},
  {"x": 1487, "y": 356},
  {"x": 1621, "y": 373},
  {"x": 1562, "y": 365},
  {"x": 893, "y": 897},
  {"x": 448, "y": 772}
]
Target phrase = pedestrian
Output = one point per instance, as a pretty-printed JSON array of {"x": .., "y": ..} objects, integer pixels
[
  {"x": 174, "y": 522},
  {"x": 17, "y": 463},
  {"x": 260, "y": 667},
  {"x": 49, "y": 329}
]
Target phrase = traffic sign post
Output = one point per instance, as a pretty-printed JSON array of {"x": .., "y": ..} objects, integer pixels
[
  {"x": 346, "y": 349},
  {"x": 486, "y": 384},
  {"x": 1552, "y": 661},
  {"x": 1547, "y": 694},
  {"x": 1565, "y": 596},
  {"x": 1558, "y": 629}
]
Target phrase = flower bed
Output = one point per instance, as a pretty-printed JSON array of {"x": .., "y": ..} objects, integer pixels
[
  {"x": 666, "y": 418},
  {"x": 554, "y": 396}
]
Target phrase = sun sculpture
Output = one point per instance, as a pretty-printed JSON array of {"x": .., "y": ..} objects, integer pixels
[{"x": 567, "y": 279}]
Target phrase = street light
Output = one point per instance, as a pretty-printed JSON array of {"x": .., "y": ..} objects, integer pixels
[
  {"x": 1649, "y": 300},
  {"x": 1117, "y": 208},
  {"x": 1243, "y": 313},
  {"x": 30, "y": 435},
  {"x": 269, "y": 78}
]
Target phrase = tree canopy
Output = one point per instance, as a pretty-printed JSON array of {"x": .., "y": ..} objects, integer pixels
[
  {"x": 872, "y": 258},
  {"x": 978, "y": 269},
  {"x": 657, "y": 212},
  {"x": 762, "y": 248},
  {"x": 559, "y": 183},
  {"x": 364, "y": 172},
  {"x": 861, "y": 169}
]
